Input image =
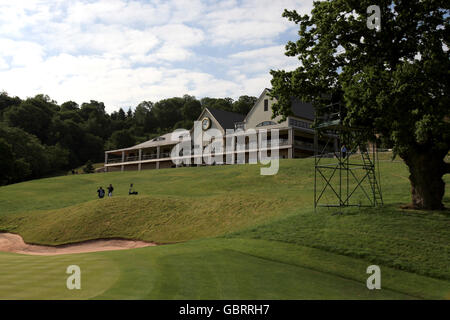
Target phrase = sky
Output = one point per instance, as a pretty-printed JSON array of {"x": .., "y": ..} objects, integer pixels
[{"x": 123, "y": 52}]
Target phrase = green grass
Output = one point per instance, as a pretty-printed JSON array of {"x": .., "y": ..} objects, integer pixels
[
  {"x": 159, "y": 219},
  {"x": 210, "y": 269},
  {"x": 413, "y": 241},
  {"x": 244, "y": 236}
]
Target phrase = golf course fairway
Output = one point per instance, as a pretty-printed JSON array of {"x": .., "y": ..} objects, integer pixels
[{"x": 223, "y": 232}]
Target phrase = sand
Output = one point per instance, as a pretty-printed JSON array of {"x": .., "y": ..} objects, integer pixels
[{"x": 14, "y": 243}]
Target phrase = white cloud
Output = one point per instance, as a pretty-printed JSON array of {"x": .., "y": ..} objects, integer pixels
[
  {"x": 118, "y": 12},
  {"x": 263, "y": 59},
  {"x": 122, "y": 52},
  {"x": 3, "y": 64},
  {"x": 260, "y": 53},
  {"x": 254, "y": 22},
  {"x": 99, "y": 39},
  {"x": 22, "y": 53}
]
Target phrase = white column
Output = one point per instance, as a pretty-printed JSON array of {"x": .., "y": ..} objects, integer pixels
[
  {"x": 290, "y": 142},
  {"x": 106, "y": 162},
  {"x": 140, "y": 159},
  {"x": 158, "y": 152},
  {"x": 123, "y": 160}
]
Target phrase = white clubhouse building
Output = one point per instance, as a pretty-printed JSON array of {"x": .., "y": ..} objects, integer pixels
[{"x": 296, "y": 138}]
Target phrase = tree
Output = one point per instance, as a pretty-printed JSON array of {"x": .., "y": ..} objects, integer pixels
[
  {"x": 244, "y": 104},
  {"x": 7, "y": 101},
  {"x": 31, "y": 159},
  {"x": 97, "y": 121},
  {"x": 121, "y": 115},
  {"x": 168, "y": 112},
  {"x": 394, "y": 81},
  {"x": 6, "y": 162},
  {"x": 58, "y": 157},
  {"x": 88, "y": 168},
  {"x": 225, "y": 104},
  {"x": 70, "y": 106},
  {"x": 191, "y": 108},
  {"x": 143, "y": 116},
  {"x": 92, "y": 148},
  {"x": 121, "y": 139},
  {"x": 33, "y": 115}
]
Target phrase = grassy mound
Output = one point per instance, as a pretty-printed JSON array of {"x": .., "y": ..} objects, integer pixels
[{"x": 156, "y": 219}]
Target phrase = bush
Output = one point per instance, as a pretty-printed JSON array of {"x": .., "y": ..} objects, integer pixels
[{"x": 88, "y": 168}]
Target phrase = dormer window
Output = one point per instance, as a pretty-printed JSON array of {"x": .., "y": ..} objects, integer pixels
[
  {"x": 159, "y": 139},
  {"x": 266, "y": 105}
]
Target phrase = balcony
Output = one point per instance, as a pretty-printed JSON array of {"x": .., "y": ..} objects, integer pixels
[
  {"x": 149, "y": 156},
  {"x": 304, "y": 145},
  {"x": 266, "y": 144}
]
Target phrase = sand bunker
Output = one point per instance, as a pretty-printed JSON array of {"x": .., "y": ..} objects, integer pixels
[{"x": 14, "y": 243}]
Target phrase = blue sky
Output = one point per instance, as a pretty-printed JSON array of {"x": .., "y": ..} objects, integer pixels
[{"x": 123, "y": 52}]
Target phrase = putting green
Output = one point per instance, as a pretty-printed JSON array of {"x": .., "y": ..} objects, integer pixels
[
  {"x": 209, "y": 269},
  {"x": 44, "y": 277}
]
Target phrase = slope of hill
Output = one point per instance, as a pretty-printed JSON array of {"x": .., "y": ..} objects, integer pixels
[{"x": 269, "y": 217}]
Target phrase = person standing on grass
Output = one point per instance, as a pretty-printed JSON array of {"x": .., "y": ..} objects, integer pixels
[
  {"x": 110, "y": 190},
  {"x": 344, "y": 151},
  {"x": 101, "y": 192}
]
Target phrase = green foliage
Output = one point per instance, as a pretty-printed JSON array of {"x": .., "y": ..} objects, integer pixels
[
  {"x": 225, "y": 104},
  {"x": 33, "y": 115},
  {"x": 58, "y": 156},
  {"x": 121, "y": 139},
  {"x": 88, "y": 168},
  {"x": 6, "y": 162},
  {"x": 70, "y": 106},
  {"x": 394, "y": 82},
  {"x": 33, "y": 161},
  {"x": 244, "y": 104},
  {"x": 7, "y": 101}
]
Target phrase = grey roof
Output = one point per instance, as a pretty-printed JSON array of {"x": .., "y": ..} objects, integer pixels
[
  {"x": 166, "y": 139},
  {"x": 303, "y": 109},
  {"x": 226, "y": 119}
]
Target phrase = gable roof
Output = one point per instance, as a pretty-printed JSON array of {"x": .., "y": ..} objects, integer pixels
[
  {"x": 226, "y": 119},
  {"x": 299, "y": 108},
  {"x": 256, "y": 103},
  {"x": 165, "y": 139}
]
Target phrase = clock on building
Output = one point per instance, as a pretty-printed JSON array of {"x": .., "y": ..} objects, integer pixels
[{"x": 206, "y": 123}]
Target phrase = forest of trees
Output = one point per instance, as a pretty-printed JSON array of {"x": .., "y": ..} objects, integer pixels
[{"x": 40, "y": 138}]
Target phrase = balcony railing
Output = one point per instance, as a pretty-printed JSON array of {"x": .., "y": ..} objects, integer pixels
[
  {"x": 149, "y": 156},
  {"x": 304, "y": 145},
  {"x": 248, "y": 146}
]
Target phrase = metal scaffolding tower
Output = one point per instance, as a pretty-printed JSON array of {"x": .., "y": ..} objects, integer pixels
[{"x": 345, "y": 169}]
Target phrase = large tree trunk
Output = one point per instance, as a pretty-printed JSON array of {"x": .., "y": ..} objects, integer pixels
[{"x": 427, "y": 187}]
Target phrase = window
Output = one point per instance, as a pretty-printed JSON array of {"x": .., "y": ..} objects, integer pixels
[
  {"x": 299, "y": 123},
  {"x": 266, "y": 105},
  {"x": 265, "y": 123}
]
